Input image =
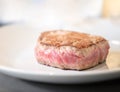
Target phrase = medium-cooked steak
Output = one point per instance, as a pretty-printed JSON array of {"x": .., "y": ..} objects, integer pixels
[{"x": 70, "y": 50}]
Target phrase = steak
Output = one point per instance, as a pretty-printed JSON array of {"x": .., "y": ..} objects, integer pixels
[{"x": 71, "y": 50}]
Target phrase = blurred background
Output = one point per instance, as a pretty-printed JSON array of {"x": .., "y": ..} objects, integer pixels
[{"x": 57, "y": 13}]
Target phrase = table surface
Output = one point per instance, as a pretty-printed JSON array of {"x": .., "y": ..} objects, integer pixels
[{"x": 11, "y": 84}]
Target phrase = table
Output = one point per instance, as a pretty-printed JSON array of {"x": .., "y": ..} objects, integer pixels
[{"x": 11, "y": 84}]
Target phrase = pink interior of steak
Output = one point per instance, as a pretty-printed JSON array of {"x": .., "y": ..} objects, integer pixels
[{"x": 67, "y": 57}]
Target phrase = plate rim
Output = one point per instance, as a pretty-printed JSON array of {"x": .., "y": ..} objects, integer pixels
[{"x": 78, "y": 73}]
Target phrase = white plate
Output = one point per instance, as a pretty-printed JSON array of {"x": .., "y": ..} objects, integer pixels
[{"x": 17, "y": 59}]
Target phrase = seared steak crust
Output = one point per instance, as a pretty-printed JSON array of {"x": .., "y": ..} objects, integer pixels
[{"x": 69, "y": 38}]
